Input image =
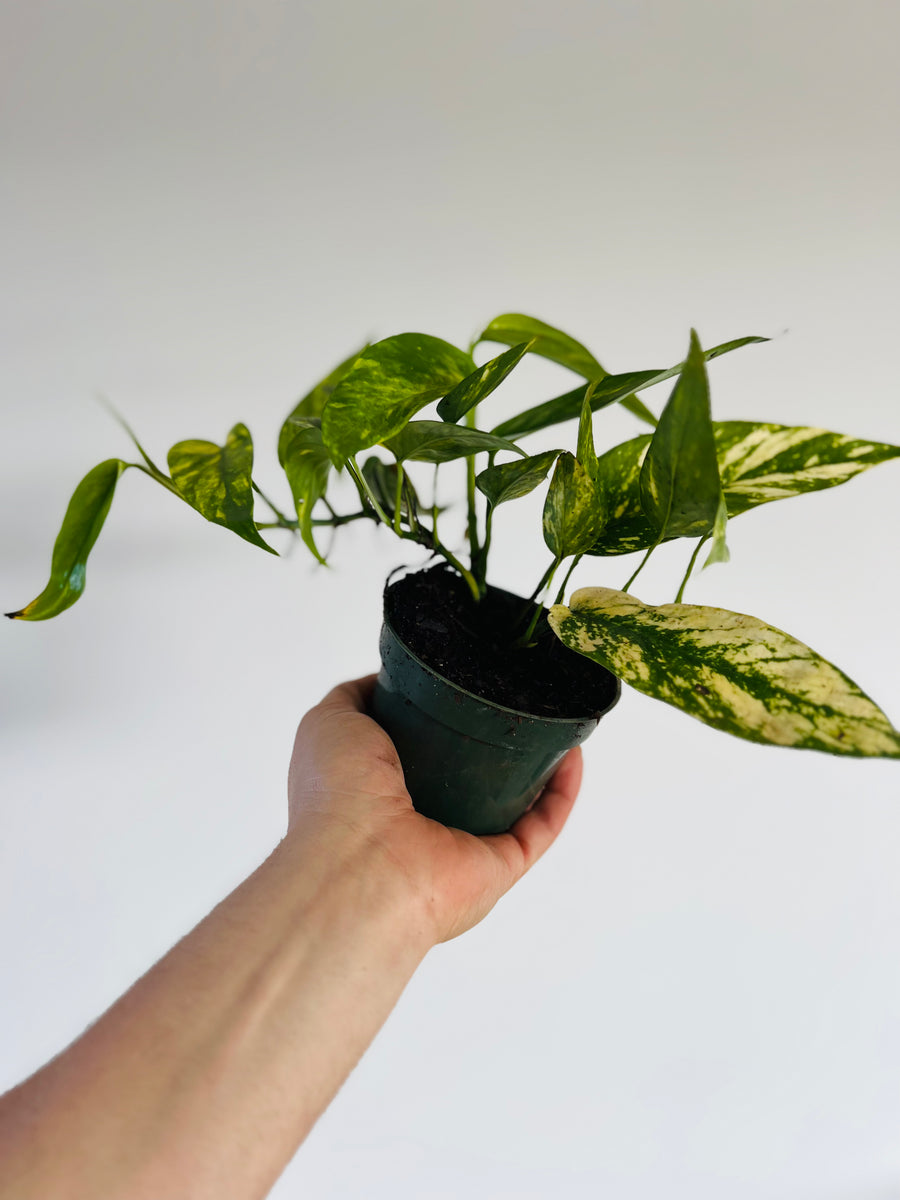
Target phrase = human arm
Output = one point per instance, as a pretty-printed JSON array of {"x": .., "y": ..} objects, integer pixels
[{"x": 205, "y": 1077}]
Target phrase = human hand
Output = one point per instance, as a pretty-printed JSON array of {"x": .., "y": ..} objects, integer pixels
[{"x": 345, "y": 784}]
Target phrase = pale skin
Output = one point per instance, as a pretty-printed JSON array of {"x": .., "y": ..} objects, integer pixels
[{"x": 203, "y": 1080}]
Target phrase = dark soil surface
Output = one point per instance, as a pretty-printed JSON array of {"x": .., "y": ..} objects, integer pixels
[{"x": 473, "y": 646}]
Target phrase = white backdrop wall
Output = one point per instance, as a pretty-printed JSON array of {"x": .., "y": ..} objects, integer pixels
[{"x": 207, "y": 205}]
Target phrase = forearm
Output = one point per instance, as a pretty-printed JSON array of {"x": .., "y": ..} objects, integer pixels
[{"x": 206, "y": 1076}]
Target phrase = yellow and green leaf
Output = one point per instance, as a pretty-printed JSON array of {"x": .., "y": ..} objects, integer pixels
[
  {"x": 386, "y": 386},
  {"x": 610, "y": 389},
  {"x": 731, "y": 671},
  {"x": 85, "y": 515},
  {"x": 307, "y": 465},
  {"x": 511, "y": 329},
  {"x": 439, "y": 442},
  {"x": 511, "y": 480},
  {"x": 758, "y": 463},
  {"x": 216, "y": 481},
  {"x": 482, "y": 381},
  {"x": 311, "y": 406},
  {"x": 573, "y": 511}
]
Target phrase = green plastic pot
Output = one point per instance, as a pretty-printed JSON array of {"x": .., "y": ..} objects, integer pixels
[{"x": 468, "y": 763}]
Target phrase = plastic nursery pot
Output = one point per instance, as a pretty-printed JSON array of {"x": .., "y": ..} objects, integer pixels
[{"x": 468, "y": 762}]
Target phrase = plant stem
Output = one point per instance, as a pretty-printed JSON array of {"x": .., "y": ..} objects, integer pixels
[
  {"x": 642, "y": 564},
  {"x": 337, "y": 519},
  {"x": 398, "y": 500},
  {"x": 565, "y": 583},
  {"x": 687, "y": 573},
  {"x": 525, "y": 639},
  {"x": 440, "y": 548},
  {"x": 545, "y": 579},
  {"x": 470, "y": 495},
  {"x": 282, "y": 519}
]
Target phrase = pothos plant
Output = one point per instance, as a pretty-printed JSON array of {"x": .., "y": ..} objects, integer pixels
[{"x": 684, "y": 478}]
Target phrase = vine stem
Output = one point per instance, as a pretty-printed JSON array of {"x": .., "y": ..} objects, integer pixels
[
  {"x": 565, "y": 583},
  {"x": 284, "y": 521},
  {"x": 539, "y": 607},
  {"x": 687, "y": 573}
]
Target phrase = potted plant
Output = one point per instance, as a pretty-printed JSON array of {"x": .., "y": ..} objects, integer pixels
[{"x": 481, "y": 690}]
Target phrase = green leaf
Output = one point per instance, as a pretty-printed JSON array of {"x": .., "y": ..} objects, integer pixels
[
  {"x": 511, "y": 480},
  {"x": 216, "y": 481},
  {"x": 609, "y": 390},
  {"x": 730, "y": 671},
  {"x": 313, "y": 403},
  {"x": 719, "y": 552},
  {"x": 382, "y": 479},
  {"x": 81, "y": 527},
  {"x": 586, "y": 454},
  {"x": 388, "y": 384},
  {"x": 573, "y": 511},
  {"x": 437, "y": 442},
  {"x": 548, "y": 342},
  {"x": 760, "y": 463},
  {"x": 307, "y": 465},
  {"x": 680, "y": 486},
  {"x": 484, "y": 380}
]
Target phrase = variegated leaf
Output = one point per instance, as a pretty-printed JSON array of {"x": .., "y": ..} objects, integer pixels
[
  {"x": 729, "y": 670},
  {"x": 307, "y": 465},
  {"x": 86, "y": 512},
  {"x": 313, "y": 403},
  {"x": 511, "y": 480},
  {"x": 440, "y": 442},
  {"x": 610, "y": 389},
  {"x": 484, "y": 380},
  {"x": 216, "y": 481},
  {"x": 385, "y": 387},
  {"x": 680, "y": 488},
  {"x": 573, "y": 510},
  {"x": 760, "y": 463},
  {"x": 547, "y": 341},
  {"x": 585, "y": 453}
]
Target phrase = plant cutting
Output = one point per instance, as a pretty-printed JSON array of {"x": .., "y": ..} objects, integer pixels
[{"x": 481, "y": 690}]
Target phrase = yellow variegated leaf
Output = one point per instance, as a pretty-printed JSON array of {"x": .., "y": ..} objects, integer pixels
[
  {"x": 760, "y": 463},
  {"x": 728, "y": 670},
  {"x": 573, "y": 510}
]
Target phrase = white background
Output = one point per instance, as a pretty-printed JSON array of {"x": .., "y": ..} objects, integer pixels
[{"x": 207, "y": 205}]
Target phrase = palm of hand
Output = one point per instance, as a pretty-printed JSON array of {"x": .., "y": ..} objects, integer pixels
[{"x": 345, "y": 776}]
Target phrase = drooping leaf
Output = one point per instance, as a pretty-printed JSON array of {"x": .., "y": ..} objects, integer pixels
[
  {"x": 547, "y": 341},
  {"x": 511, "y": 480},
  {"x": 729, "y": 670},
  {"x": 760, "y": 463},
  {"x": 313, "y": 403},
  {"x": 386, "y": 386},
  {"x": 609, "y": 390},
  {"x": 382, "y": 479},
  {"x": 573, "y": 511},
  {"x": 216, "y": 481},
  {"x": 307, "y": 465},
  {"x": 437, "y": 442},
  {"x": 482, "y": 381},
  {"x": 680, "y": 487},
  {"x": 80, "y": 529}
]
